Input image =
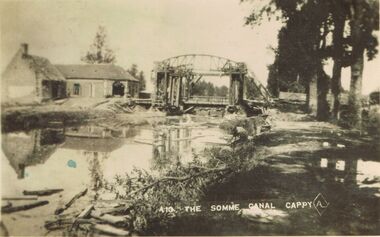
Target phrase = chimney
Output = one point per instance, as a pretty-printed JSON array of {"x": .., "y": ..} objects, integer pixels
[{"x": 24, "y": 48}]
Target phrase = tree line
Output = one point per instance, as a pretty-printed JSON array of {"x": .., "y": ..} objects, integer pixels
[
  {"x": 314, "y": 31},
  {"x": 204, "y": 88}
]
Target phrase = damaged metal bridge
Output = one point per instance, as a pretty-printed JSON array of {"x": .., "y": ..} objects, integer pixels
[{"x": 175, "y": 78}]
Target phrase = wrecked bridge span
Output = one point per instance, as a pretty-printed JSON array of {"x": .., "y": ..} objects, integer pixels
[{"x": 175, "y": 78}]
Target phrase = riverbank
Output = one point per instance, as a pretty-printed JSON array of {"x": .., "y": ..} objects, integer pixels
[{"x": 70, "y": 112}]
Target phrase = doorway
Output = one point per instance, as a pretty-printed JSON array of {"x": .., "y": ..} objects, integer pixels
[{"x": 118, "y": 89}]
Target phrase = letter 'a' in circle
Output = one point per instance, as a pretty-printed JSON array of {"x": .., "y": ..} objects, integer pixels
[{"x": 320, "y": 204}]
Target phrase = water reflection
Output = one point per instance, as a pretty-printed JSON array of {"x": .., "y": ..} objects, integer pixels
[
  {"x": 100, "y": 153},
  {"x": 25, "y": 149},
  {"x": 171, "y": 147}
]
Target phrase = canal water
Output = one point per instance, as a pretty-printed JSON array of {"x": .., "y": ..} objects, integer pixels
[{"x": 74, "y": 158}]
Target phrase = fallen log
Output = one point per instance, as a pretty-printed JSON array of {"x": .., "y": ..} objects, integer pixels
[
  {"x": 45, "y": 192},
  {"x": 58, "y": 224},
  {"x": 23, "y": 207},
  {"x": 110, "y": 219},
  {"x": 121, "y": 209},
  {"x": 108, "y": 229},
  {"x": 19, "y": 198},
  {"x": 84, "y": 214},
  {"x": 67, "y": 205}
]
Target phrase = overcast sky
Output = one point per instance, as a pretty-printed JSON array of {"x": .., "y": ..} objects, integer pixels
[{"x": 144, "y": 31}]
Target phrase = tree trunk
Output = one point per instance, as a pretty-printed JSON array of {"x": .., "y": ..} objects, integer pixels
[
  {"x": 312, "y": 95},
  {"x": 323, "y": 111},
  {"x": 354, "y": 99},
  {"x": 339, "y": 20}
]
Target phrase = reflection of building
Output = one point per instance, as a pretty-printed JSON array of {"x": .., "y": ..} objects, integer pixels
[
  {"x": 29, "y": 78},
  {"x": 32, "y": 148},
  {"x": 95, "y": 144},
  {"x": 98, "y": 80}
]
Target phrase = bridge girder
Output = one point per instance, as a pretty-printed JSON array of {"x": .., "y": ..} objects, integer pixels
[
  {"x": 178, "y": 74},
  {"x": 202, "y": 64}
]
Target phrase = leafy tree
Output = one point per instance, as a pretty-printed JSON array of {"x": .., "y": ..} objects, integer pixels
[
  {"x": 203, "y": 88},
  {"x": 302, "y": 40},
  {"x": 364, "y": 19},
  {"x": 303, "y": 45},
  {"x": 99, "y": 52},
  {"x": 133, "y": 70}
]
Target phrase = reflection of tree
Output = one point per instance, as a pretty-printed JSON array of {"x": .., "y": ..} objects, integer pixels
[{"x": 95, "y": 161}]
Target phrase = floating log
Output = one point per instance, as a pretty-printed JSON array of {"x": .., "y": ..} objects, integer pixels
[
  {"x": 19, "y": 198},
  {"x": 45, "y": 192},
  {"x": 108, "y": 229},
  {"x": 67, "y": 205},
  {"x": 23, "y": 207},
  {"x": 110, "y": 219}
]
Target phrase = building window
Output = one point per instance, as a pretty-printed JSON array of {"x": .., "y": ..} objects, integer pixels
[{"x": 76, "y": 89}]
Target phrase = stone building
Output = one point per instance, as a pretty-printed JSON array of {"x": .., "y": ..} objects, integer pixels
[
  {"x": 29, "y": 78},
  {"x": 99, "y": 80}
]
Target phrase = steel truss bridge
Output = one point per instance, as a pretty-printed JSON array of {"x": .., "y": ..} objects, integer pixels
[{"x": 175, "y": 78}]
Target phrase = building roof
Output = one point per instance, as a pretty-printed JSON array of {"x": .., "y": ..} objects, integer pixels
[
  {"x": 44, "y": 67},
  {"x": 95, "y": 71}
]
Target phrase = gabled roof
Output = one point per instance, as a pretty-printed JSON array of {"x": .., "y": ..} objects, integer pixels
[
  {"x": 95, "y": 71},
  {"x": 45, "y": 68}
]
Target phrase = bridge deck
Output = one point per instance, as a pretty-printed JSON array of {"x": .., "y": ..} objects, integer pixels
[
  {"x": 195, "y": 100},
  {"x": 207, "y": 100}
]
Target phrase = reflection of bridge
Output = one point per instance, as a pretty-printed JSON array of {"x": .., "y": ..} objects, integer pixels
[{"x": 175, "y": 78}]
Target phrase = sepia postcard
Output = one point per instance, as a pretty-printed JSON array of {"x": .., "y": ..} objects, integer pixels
[{"x": 190, "y": 118}]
